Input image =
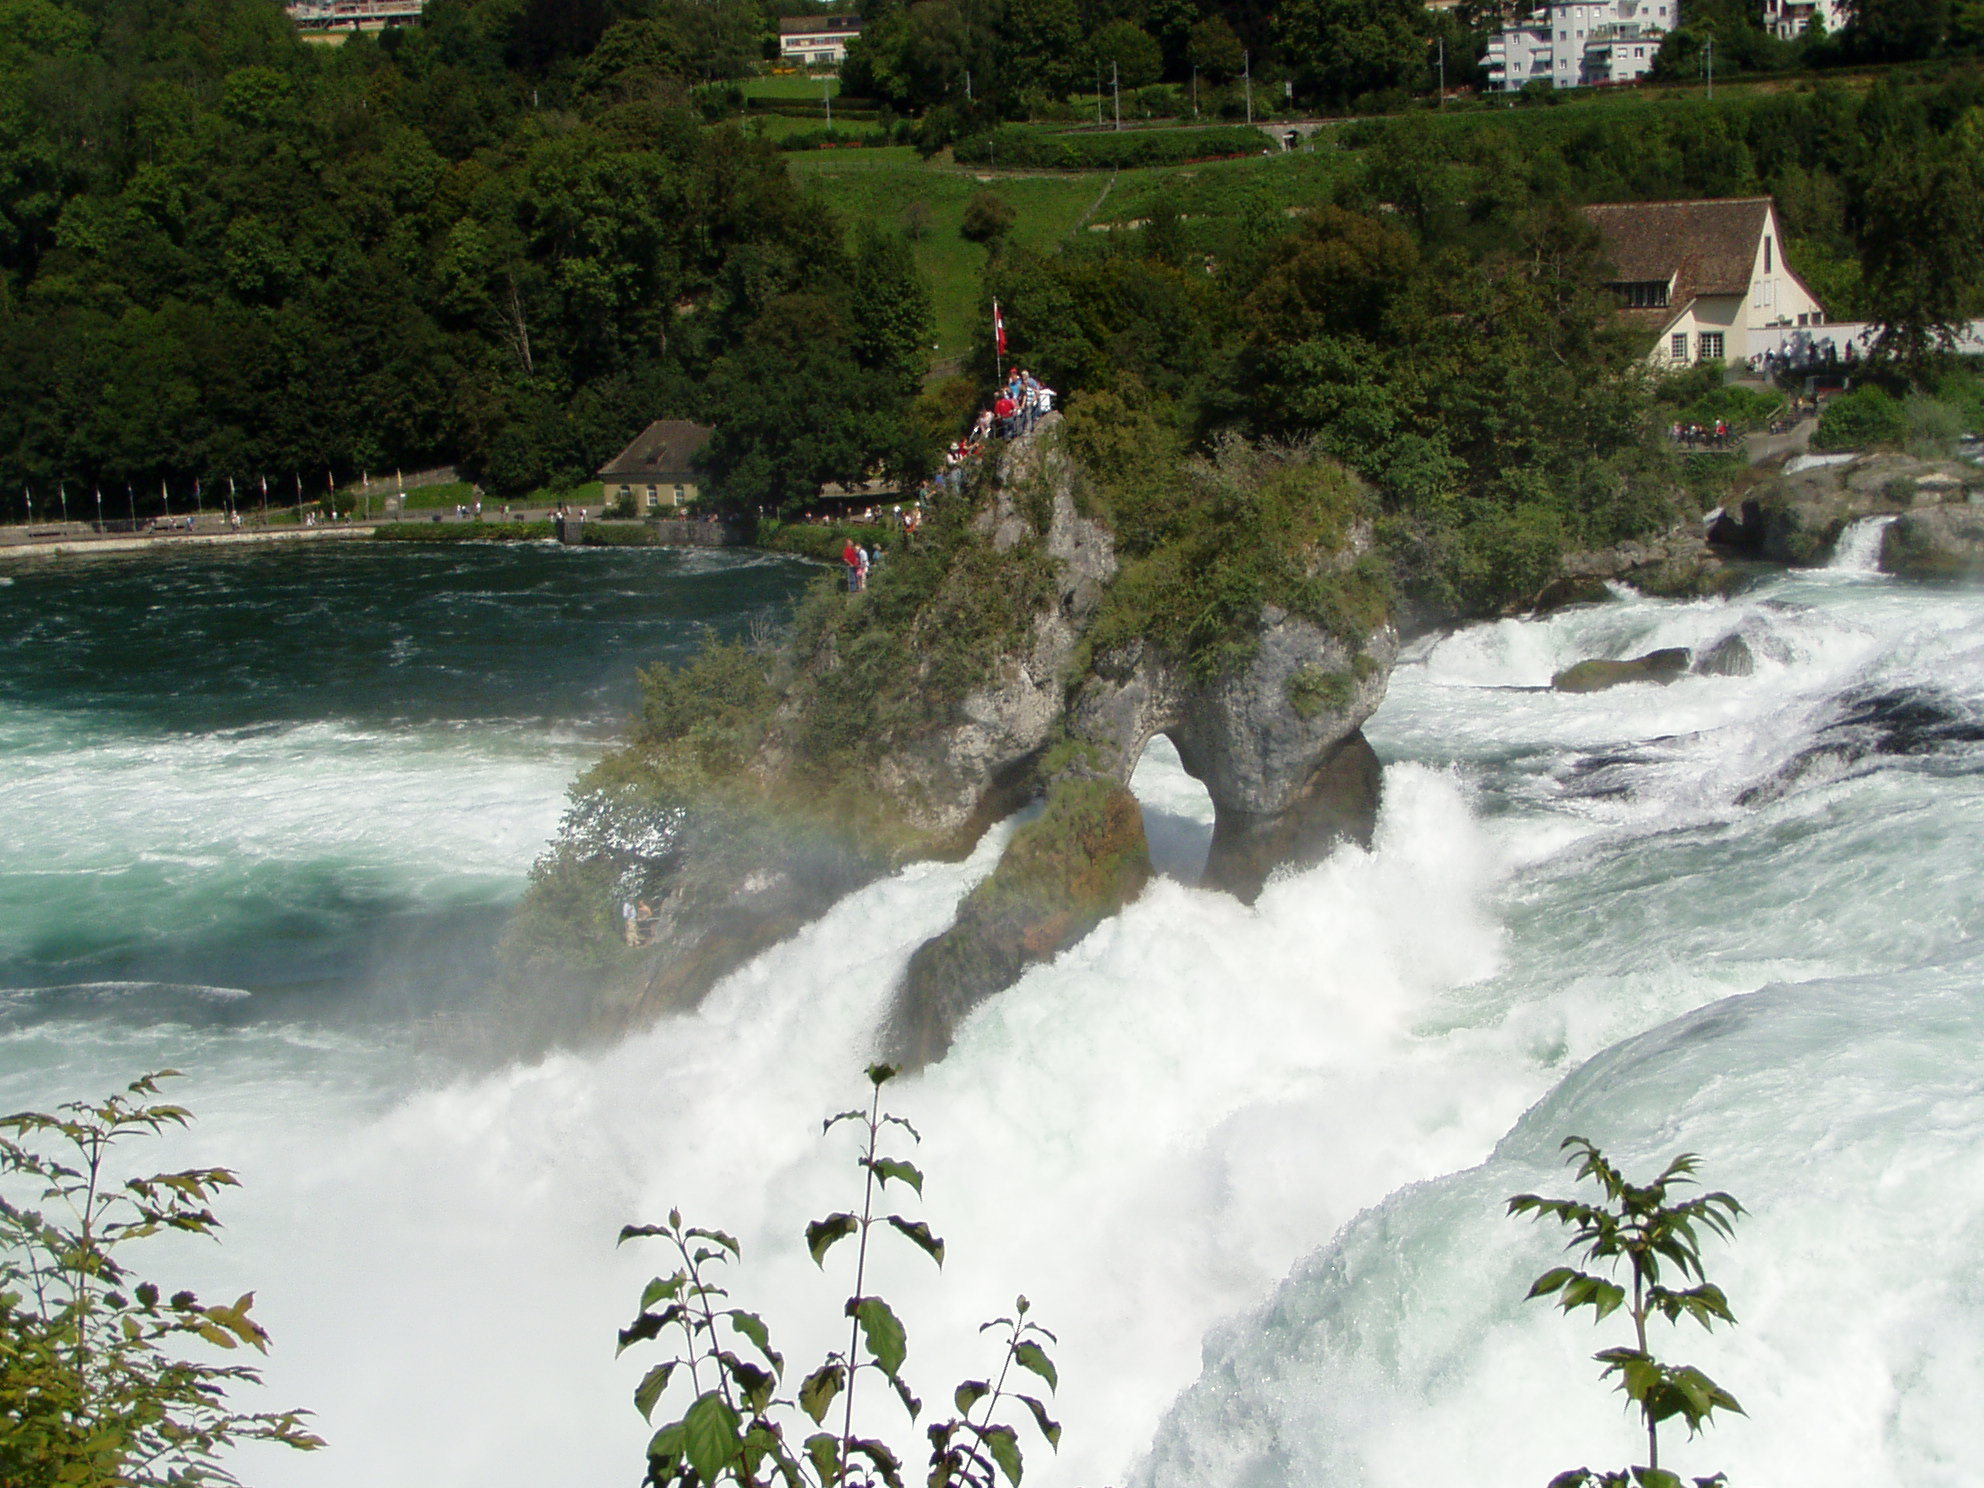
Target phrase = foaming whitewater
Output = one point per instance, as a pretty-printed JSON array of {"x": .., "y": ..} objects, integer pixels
[{"x": 1247, "y": 1162}]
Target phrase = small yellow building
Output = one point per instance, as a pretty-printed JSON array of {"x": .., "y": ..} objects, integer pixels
[
  {"x": 1708, "y": 279},
  {"x": 658, "y": 469}
]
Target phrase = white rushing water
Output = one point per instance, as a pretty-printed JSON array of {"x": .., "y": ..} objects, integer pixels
[{"x": 1268, "y": 1142}]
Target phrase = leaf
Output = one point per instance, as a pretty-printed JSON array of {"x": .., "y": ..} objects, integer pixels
[
  {"x": 1656, "y": 1477},
  {"x": 919, "y": 1232},
  {"x": 718, "y": 1237},
  {"x": 1033, "y": 1356},
  {"x": 969, "y": 1394},
  {"x": 648, "y": 1391},
  {"x": 887, "y": 1168},
  {"x": 666, "y": 1444},
  {"x": 1049, "y": 1429},
  {"x": 822, "y": 1234},
  {"x": 660, "y": 1290},
  {"x": 882, "y": 1332},
  {"x": 709, "y": 1436},
  {"x": 909, "y": 1401},
  {"x": 649, "y": 1325},
  {"x": 1550, "y": 1281},
  {"x": 1004, "y": 1445},
  {"x": 885, "y": 1461},
  {"x": 753, "y": 1327},
  {"x": 817, "y": 1391},
  {"x": 752, "y": 1382},
  {"x": 825, "y": 1452}
]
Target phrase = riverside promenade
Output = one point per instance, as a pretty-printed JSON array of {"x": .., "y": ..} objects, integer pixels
[{"x": 77, "y": 540}]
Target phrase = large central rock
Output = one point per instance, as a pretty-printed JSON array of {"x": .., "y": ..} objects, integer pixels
[{"x": 1275, "y": 740}]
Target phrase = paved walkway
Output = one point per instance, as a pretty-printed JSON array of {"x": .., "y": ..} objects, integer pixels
[{"x": 1794, "y": 441}]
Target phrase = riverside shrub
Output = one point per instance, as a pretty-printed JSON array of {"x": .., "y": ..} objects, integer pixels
[
  {"x": 94, "y": 1390},
  {"x": 1656, "y": 1236},
  {"x": 744, "y": 1422},
  {"x": 1861, "y": 419}
]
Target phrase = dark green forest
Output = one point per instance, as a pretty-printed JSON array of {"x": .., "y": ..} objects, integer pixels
[
  {"x": 224, "y": 252},
  {"x": 508, "y": 237}
]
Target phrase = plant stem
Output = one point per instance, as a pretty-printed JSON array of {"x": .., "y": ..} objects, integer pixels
[
  {"x": 860, "y": 1279},
  {"x": 1639, "y": 1327}
]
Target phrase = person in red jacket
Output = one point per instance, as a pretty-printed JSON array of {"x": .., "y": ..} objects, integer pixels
[
  {"x": 1003, "y": 409},
  {"x": 851, "y": 556}
]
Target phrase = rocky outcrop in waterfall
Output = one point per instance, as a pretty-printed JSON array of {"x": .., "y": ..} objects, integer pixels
[
  {"x": 1020, "y": 648},
  {"x": 1796, "y": 517}
]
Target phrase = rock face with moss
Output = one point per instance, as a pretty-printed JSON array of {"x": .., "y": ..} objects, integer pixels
[
  {"x": 1797, "y": 518},
  {"x": 1032, "y": 640},
  {"x": 1945, "y": 542}
]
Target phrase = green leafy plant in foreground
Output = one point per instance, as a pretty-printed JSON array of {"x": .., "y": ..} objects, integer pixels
[
  {"x": 1655, "y": 1237},
  {"x": 92, "y": 1392},
  {"x": 739, "y": 1428}
]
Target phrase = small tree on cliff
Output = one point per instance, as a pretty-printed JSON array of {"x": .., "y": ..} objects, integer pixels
[
  {"x": 1654, "y": 1237},
  {"x": 92, "y": 1391},
  {"x": 738, "y": 1427}
]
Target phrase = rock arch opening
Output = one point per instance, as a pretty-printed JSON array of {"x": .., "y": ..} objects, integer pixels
[{"x": 1177, "y": 810}]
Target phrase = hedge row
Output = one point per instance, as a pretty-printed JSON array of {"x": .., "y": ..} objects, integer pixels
[
  {"x": 1107, "y": 150},
  {"x": 445, "y": 532}
]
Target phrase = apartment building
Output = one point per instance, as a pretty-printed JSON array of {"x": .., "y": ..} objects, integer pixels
[{"x": 1581, "y": 44}]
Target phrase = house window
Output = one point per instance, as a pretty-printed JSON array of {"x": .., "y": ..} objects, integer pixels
[
  {"x": 1766, "y": 255},
  {"x": 1677, "y": 346},
  {"x": 678, "y": 495},
  {"x": 1639, "y": 51},
  {"x": 1645, "y": 294},
  {"x": 651, "y": 495},
  {"x": 1711, "y": 342}
]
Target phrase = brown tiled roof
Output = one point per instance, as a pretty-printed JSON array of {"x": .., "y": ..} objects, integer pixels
[
  {"x": 663, "y": 451},
  {"x": 1702, "y": 247}
]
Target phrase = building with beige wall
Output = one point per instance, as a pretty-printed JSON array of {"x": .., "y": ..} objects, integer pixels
[
  {"x": 658, "y": 469},
  {"x": 1707, "y": 280}
]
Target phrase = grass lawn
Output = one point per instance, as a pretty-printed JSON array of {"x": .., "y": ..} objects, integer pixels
[
  {"x": 881, "y": 185},
  {"x": 799, "y": 85},
  {"x": 776, "y": 127}
]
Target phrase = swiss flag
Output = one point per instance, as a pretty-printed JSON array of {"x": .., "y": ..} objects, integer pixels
[{"x": 999, "y": 329}]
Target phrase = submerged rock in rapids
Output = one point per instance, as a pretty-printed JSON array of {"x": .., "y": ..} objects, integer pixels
[
  {"x": 1661, "y": 666},
  {"x": 1729, "y": 657}
]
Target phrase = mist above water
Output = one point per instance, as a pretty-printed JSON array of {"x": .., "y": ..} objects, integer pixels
[{"x": 1252, "y": 1134}]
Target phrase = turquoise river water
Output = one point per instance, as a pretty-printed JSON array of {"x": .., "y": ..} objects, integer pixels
[{"x": 265, "y": 814}]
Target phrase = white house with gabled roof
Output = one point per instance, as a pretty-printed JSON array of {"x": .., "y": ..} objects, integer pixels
[{"x": 1708, "y": 280}]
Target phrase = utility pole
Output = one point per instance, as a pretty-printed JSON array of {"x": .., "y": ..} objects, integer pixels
[
  {"x": 1247, "y": 70},
  {"x": 62, "y": 495},
  {"x": 99, "y": 508},
  {"x": 1708, "y": 62},
  {"x": 1116, "y": 92},
  {"x": 827, "y": 92},
  {"x": 1195, "y": 90},
  {"x": 1443, "y": 71}
]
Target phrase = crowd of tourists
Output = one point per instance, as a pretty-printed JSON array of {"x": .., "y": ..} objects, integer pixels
[
  {"x": 1021, "y": 403},
  {"x": 1701, "y": 436}
]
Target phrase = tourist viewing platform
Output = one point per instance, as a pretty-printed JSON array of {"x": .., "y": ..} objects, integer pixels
[{"x": 357, "y": 15}]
